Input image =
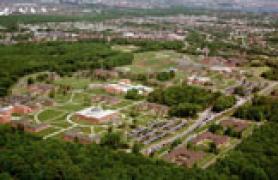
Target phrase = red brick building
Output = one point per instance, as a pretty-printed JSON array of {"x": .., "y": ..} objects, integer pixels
[
  {"x": 29, "y": 126},
  {"x": 80, "y": 137},
  {"x": 22, "y": 109},
  {"x": 6, "y": 114},
  {"x": 97, "y": 115},
  {"x": 208, "y": 136},
  {"x": 236, "y": 125},
  {"x": 184, "y": 157},
  {"x": 153, "y": 108},
  {"x": 110, "y": 100}
]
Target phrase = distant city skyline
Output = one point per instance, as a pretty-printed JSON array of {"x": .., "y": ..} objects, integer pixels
[{"x": 233, "y": 4}]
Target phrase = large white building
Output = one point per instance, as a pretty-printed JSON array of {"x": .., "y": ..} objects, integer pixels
[
  {"x": 97, "y": 115},
  {"x": 123, "y": 88}
]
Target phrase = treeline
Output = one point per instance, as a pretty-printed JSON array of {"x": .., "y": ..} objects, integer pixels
[
  {"x": 197, "y": 41},
  {"x": 23, "y": 156},
  {"x": 11, "y": 22},
  {"x": 189, "y": 100},
  {"x": 254, "y": 158},
  {"x": 63, "y": 58},
  {"x": 150, "y": 45},
  {"x": 271, "y": 74},
  {"x": 261, "y": 108}
]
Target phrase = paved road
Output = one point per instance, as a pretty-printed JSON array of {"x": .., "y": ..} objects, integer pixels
[
  {"x": 189, "y": 130},
  {"x": 203, "y": 119}
]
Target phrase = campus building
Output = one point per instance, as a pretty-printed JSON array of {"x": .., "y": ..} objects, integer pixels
[
  {"x": 29, "y": 126},
  {"x": 123, "y": 87},
  {"x": 238, "y": 126},
  {"x": 105, "y": 99},
  {"x": 184, "y": 157},
  {"x": 208, "y": 136},
  {"x": 97, "y": 115},
  {"x": 80, "y": 137},
  {"x": 153, "y": 108},
  {"x": 6, "y": 112}
]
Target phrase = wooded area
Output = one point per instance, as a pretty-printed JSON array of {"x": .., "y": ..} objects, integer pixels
[{"x": 63, "y": 58}]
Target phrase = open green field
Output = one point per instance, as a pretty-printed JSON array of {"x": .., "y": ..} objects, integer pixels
[
  {"x": 81, "y": 98},
  {"x": 71, "y": 107},
  {"x": 154, "y": 61},
  {"x": 75, "y": 83},
  {"x": 125, "y": 48}
]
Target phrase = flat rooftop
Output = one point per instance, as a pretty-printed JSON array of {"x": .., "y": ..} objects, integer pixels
[{"x": 94, "y": 112}]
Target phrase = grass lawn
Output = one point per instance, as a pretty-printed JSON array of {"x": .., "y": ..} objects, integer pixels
[
  {"x": 61, "y": 123},
  {"x": 47, "y": 131},
  {"x": 75, "y": 83},
  {"x": 81, "y": 97},
  {"x": 122, "y": 104},
  {"x": 145, "y": 119},
  {"x": 154, "y": 61},
  {"x": 49, "y": 114},
  {"x": 208, "y": 157},
  {"x": 60, "y": 98},
  {"x": 72, "y": 107}
]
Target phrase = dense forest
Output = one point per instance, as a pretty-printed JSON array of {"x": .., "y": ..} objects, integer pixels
[
  {"x": 24, "y": 156},
  {"x": 60, "y": 57},
  {"x": 261, "y": 108},
  {"x": 255, "y": 158},
  {"x": 187, "y": 101}
]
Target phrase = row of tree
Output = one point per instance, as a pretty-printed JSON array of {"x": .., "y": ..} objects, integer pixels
[
  {"x": 187, "y": 101},
  {"x": 24, "y": 156},
  {"x": 261, "y": 108},
  {"x": 150, "y": 45}
]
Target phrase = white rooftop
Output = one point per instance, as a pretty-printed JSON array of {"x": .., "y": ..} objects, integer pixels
[
  {"x": 126, "y": 87},
  {"x": 94, "y": 112},
  {"x": 4, "y": 109}
]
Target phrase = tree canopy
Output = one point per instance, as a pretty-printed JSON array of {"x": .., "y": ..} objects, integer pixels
[{"x": 60, "y": 57}]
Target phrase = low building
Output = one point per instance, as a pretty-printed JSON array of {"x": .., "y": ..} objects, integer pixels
[
  {"x": 97, "y": 115},
  {"x": 198, "y": 80},
  {"x": 29, "y": 126},
  {"x": 6, "y": 114},
  {"x": 153, "y": 108},
  {"x": 123, "y": 88},
  {"x": 184, "y": 157},
  {"x": 237, "y": 125},
  {"x": 110, "y": 100},
  {"x": 22, "y": 109},
  {"x": 5, "y": 119},
  {"x": 103, "y": 73},
  {"x": 40, "y": 89},
  {"x": 17, "y": 99},
  {"x": 8, "y": 110},
  {"x": 222, "y": 69},
  {"x": 208, "y": 136},
  {"x": 80, "y": 137},
  {"x": 274, "y": 93}
]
